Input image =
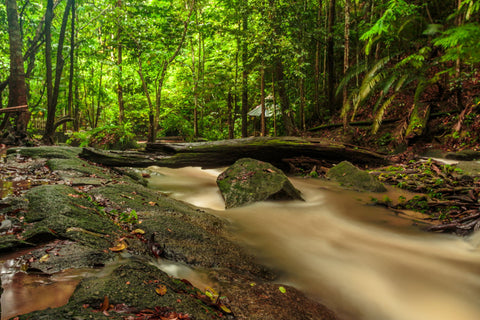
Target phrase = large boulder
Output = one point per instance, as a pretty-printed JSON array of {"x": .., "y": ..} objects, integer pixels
[
  {"x": 351, "y": 177},
  {"x": 249, "y": 180}
]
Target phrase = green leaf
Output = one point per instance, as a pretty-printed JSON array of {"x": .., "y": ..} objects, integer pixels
[{"x": 282, "y": 289}]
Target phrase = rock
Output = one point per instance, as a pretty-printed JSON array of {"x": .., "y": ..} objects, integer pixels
[
  {"x": 249, "y": 180},
  {"x": 465, "y": 155},
  {"x": 350, "y": 176}
]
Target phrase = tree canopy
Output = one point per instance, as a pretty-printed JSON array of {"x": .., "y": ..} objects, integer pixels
[{"x": 195, "y": 68}]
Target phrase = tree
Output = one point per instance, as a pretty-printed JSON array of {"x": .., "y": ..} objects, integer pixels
[{"x": 16, "y": 82}]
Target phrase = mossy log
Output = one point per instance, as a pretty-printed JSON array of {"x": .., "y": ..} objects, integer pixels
[{"x": 225, "y": 152}]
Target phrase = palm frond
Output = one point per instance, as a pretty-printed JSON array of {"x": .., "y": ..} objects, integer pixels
[{"x": 377, "y": 121}]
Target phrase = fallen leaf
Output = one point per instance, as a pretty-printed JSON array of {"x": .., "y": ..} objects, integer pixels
[
  {"x": 211, "y": 293},
  {"x": 138, "y": 231},
  {"x": 44, "y": 258},
  {"x": 224, "y": 308},
  {"x": 74, "y": 195},
  {"x": 119, "y": 247},
  {"x": 161, "y": 290},
  {"x": 105, "y": 304}
]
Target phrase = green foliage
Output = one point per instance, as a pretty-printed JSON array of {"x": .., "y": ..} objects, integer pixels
[
  {"x": 460, "y": 42},
  {"x": 128, "y": 216},
  {"x": 113, "y": 137},
  {"x": 105, "y": 137}
]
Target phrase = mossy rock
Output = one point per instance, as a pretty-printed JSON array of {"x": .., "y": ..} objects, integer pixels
[
  {"x": 46, "y": 152},
  {"x": 351, "y": 177},
  {"x": 76, "y": 165},
  {"x": 249, "y": 180},
  {"x": 464, "y": 155},
  {"x": 133, "y": 284},
  {"x": 60, "y": 211},
  {"x": 189, "y": 235}
]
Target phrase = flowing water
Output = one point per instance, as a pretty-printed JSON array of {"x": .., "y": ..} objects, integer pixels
[{"x": 363, "y": 262}]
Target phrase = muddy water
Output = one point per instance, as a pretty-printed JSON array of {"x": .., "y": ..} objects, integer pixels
[
  {"x": 362, "y": 261},
  {"x": 24, "y": 293}
]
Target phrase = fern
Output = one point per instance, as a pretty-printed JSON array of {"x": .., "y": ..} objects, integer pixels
[{"x": 377, "y": 121}]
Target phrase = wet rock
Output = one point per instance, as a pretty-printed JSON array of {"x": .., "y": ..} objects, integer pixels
[
  {"x": 47, "y": 152},
  {"x": 130, "y": 286},
  {"x": 188, "y": 235},
  {"x": 249, "y": 180},
  {"x": 465, "y": 155},
  {"x": 351, "y": 177},
  {"x": 61, "y": 212}
]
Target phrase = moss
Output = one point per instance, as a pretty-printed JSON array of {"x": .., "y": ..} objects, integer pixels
[
  {"x": 350, "y": 176},
  {"x": 250, "y": 180},
  {"x": 58, "y": 209},
  {"x": 46, "y": 152},
  {"x": 76, "y": 164}
]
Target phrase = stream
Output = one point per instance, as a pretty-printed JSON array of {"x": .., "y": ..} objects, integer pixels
[{"x": 364, "y": 262}]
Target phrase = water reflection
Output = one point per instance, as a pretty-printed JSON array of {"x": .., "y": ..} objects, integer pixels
[
  {"x": 364, "y": 262},
  {"x": 24, "y": 293}
]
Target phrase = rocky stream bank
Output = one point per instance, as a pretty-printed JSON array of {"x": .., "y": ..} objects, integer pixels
[{"x": 60, "y": 212}]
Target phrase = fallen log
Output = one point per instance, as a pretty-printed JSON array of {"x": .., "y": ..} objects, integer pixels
[{"x": 225, "y": 152}]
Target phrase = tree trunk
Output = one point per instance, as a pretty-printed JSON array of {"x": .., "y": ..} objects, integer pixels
[
  {"x": 284, "y": 100},
  {"x": 52, "y": 105},
  {"x": 301, "y": 85},
  {"x": 121, "y": 106},
  {"x": 48, "y": 135},
  {"x": 330, "y": 59},
  {"x": 346, "y": 52},
  {"x": 316, "y": 91},
  {"x": 230, "y": 118},
  {"x": 17, "y": 85},
  {"x": 99, "y": 98},
  {"x": 72, "y": 62},
  {"x": 151, "y": 113},
  {"x": 263, "y": 128},
  {"x": 277, "y": 151},
  {"x": 244, "y": 76}
]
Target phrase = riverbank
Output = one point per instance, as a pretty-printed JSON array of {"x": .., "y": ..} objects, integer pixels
[{"x": 72, "y": 214}]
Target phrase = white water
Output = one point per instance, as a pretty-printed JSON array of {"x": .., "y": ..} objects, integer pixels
[{"x": 361, "y": 261}]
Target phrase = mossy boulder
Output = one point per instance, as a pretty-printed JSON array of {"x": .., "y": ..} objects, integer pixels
[
  {"x": 351, "y": 177},
  {"x": 249, "y": 180}
]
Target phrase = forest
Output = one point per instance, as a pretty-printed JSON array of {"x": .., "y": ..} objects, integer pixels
[
  {"x": 112, "y": 72},
  {"x": 240, "y": 159}
]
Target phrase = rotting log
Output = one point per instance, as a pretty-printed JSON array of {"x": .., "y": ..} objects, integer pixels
[{"x": 225, "y": 152}]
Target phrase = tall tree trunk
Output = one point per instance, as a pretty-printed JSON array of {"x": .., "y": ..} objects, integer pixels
[
  {"x": 330, "y": 59},
  {"x": 48, "y": 135},
  {"x": 99, "y": 97},
  {"x": 284, "y": 100},
  {"x": 230, "y": 118},
  {"x": 262, "y": 102},
  {"x": 151, "y": 112},
  {"x": 274, "y": 101},
  {"x": 52, "y": 105},
  {"x": 346, "y": 54},
  {"x": 245, "y": 74},
  {"x": 301, "y": 85},
  {"x": 17, "y": 85},
  {"x": 316, "y": 90},
  {"x": 121, "y": 106},
  {"x": 72, "y": 62}
]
